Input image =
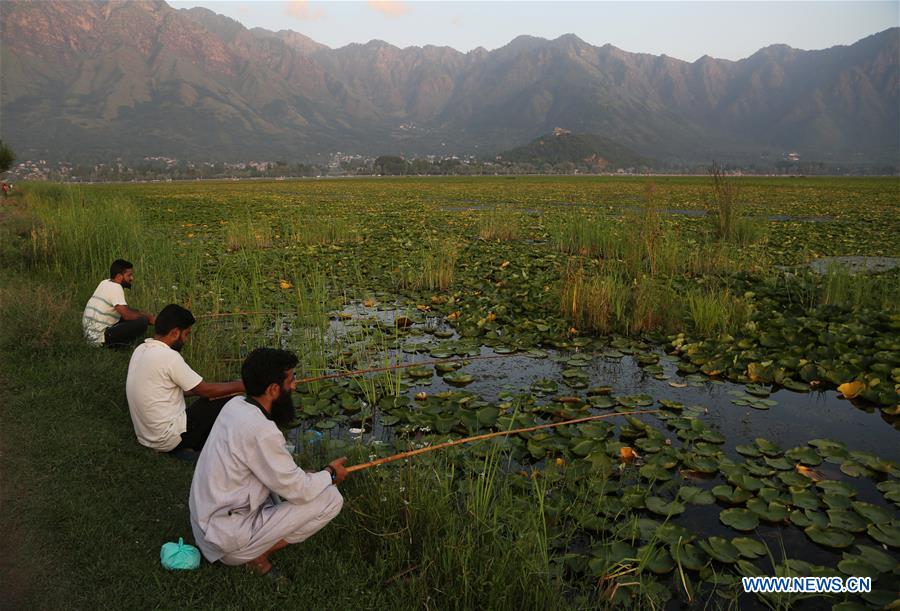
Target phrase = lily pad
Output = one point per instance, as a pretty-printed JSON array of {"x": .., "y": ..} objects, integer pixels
[
  {"x": 419, "y": 372},
  {"x": 720, "y": 549},
  {"x": 856, "y": 566},
  {"x": 661, "y": 507},
  {"x": 829, "y": 537},
  {"x": 872, "y": 513},
  {"x": 882, "y": 562},
  {"x": 733, "y": 496},
  {"x": 846, "y": 520},
  {"x": 749, "y": 548},
  {"x": 805, "y": 499},
  {"x": 459, "y": 378},
  {"x": 889, "y": 534},
  {"x": 688, "y": 555},
  {"x": 739, "y": 519},
  {"x": 695, "y": 495},
  {"x": 770, "y": 512}
]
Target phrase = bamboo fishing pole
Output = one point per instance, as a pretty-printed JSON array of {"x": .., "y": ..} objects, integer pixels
[{"x": 456, "y": 442}]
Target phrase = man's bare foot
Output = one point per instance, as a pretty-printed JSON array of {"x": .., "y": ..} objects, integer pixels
[{"x": 260, "y": 565}]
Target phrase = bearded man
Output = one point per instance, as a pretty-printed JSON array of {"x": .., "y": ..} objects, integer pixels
[
  {"x": 107, "y": 320},
  {"x": 233, "y": 515},
  {"x": 158, "y": 381}
]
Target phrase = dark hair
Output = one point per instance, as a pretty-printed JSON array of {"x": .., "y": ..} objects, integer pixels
[
  {"x": 173, "y": 316},
  {"x": 266, "y": 366},
  {"x": 119, "y": 266}
]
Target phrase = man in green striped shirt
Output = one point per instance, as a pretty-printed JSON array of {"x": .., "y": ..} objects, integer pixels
[{"x": 107, "y": 319}]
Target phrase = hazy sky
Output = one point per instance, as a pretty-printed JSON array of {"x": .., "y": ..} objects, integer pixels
[{"x": 686, "y": 30}]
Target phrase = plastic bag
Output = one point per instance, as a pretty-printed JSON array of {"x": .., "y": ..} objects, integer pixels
[{"x": 179, "y": 556}]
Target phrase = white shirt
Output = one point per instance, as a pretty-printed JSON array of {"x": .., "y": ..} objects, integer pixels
[
  {"x": 100, "y": 311},
  {"x": 157, "y": 380},
  {"x": 242, "y": 462}
]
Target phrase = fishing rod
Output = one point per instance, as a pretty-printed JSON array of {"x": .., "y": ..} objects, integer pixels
[{"x": 456, "y": 442}]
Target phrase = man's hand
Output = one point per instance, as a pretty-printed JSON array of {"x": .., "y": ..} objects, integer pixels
[
  {"x": 151, "y": 319},
  {"x": 340, "y": 473}
]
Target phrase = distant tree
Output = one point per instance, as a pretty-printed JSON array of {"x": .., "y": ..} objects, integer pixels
[
  {"x": 391, "y": 165},
  {"x": 7, "y": 157}
]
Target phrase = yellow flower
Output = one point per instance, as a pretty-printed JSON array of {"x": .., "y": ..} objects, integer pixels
[{"x": 285, "y": 284}]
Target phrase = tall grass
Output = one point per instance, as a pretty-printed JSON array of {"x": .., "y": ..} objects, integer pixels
[
  {"x": 80, "y": 236},
  {"x": 713, "y": 312},
  {"x": 841, "y": 287},
  {"x": 730, "y": 222},
  {"x": 246, "y": 233},
  {"x": 500, "y": 224},
  {"x": 456, "y": 540},
  {"x": 315, "y": 230},
  {"x": 589, "y": 237},
  {"x": 433, "y": 267}
]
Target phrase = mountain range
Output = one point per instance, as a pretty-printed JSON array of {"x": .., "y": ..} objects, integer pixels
[{"x": 95, "y": 80}]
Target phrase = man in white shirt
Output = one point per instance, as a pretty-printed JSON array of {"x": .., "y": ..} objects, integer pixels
[
  {"x": 107, "y": 319},
  {"x": 159, "y": 379},
  {"x": 244, "y": 460}
]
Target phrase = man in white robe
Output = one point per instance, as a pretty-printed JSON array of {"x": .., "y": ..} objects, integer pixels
[{"x": 244, "y": 460}]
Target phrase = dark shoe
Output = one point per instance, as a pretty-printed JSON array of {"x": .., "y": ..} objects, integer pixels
[{"x": 185, "y": 454}]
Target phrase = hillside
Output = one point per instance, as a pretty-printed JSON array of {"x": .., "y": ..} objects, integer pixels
[
  {"x": 96, "y": 80},
  {"x": 583, "y": 150}
]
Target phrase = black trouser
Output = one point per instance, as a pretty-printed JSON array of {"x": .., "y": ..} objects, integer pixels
[
  {"x": 124, "y": 332},
  {"x": 201, "y": 416}
]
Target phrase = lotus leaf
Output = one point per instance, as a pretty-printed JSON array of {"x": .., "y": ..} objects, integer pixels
[
  {"x": 695, "y": 495},
  {"x": 779, "y": 463},
  {"x": 739, "y": 519},
  {"x": 837, "y": 488},
  {"x": 875, "y": 557},
  {"x": 805, "y": 499},
  {"x": 661, "y": 507},
  {"x": 749, "y": 548},
  {"x": 657, "y": 559},
  {"x": 888, "y": 533},
  {"x": 733, "y": 496},
  {"x": 767, "y": 447},
  {"x": 720, "y": 549},
  {"x": 748, "y": 450},
  {"x": 872, "y": 513},
  {"x": 768, "y": 511},
  {"x": 845, "y": 520},
  {"x": 829, "y": 537},
  {"x": 459, "y": 378},
  {"x": 688, "y": 555}
]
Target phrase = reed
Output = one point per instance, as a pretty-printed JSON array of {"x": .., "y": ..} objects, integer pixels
[
  {"x": 245, "y": 233},
  {"x": 502, "y": 224},
  {"x": 715, "y": 311}
]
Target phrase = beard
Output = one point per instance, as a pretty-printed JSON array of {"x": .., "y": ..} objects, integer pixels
[
  {"x": 177, "y": 345},
  {"x": 126, "y": 285},
  {"x": 283, "y": 409}
]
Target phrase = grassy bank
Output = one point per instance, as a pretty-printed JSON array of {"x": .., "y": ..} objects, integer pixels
[
  {"x": 581, "y": 283},
  {"x": 88, "y": 508}
]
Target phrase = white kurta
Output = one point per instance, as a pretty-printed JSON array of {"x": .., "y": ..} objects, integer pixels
[{"x": 242, "y": 462}]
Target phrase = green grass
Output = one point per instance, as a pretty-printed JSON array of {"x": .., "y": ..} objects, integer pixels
[
  {"x": 433, "y": 532},
  {"x": 501, "y": 224}
]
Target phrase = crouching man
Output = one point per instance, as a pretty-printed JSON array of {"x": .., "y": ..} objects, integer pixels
[{"x": 244, "y": 460}]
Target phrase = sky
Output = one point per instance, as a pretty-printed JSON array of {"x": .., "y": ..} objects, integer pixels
[{"x": 685, "y": 30}]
